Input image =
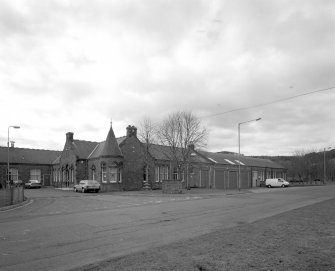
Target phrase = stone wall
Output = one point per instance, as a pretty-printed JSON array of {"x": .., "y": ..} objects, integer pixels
[
  {"x": 11, "y": 196},
  {"x": 172, "y": 187},
  {"x": 133, "y": 163}
]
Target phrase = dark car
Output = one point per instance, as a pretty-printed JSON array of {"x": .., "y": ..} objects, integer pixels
[{"x": 33, "y": 184}]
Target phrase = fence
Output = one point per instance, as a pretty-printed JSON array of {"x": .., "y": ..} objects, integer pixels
[{"x": 11, "y": 196}]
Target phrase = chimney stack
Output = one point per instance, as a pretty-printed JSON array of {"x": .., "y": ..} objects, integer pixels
[
  {"x": 69, "y": 137},
  {"x": 131, "y": 131}
]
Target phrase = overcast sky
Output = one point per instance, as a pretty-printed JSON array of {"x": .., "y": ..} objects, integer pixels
[{"x": 77, "y": 65}]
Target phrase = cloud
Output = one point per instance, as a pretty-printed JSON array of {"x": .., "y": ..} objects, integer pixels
[{"x": 74, "y": 66}]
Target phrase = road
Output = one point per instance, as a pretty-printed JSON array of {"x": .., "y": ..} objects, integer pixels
[{"x": 60, "y": 230}]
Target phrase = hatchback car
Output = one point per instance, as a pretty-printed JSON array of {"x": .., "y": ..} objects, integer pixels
[
  {"x": 33, "y": 184},
  {"x": 87, "y": 185}
]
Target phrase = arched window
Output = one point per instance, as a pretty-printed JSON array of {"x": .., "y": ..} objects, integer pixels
[
  {"x": 103, "y": 173},
  {"x": 93, "y": 172},
  {"x": 71, "y": 174}
]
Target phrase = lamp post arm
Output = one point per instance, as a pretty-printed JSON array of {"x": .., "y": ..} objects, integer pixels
[{"x": 239, "y": 149}]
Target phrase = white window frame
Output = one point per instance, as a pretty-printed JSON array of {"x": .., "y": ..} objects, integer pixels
[
  {"x": 35, "y": 174},
  {"x": 119, "y": 175},
  {"x": 103, "y": 174},
  {"x": 14, "y": 174},
  {"x": 162, "y": 173},
  {"x": 112, "y": 174}
]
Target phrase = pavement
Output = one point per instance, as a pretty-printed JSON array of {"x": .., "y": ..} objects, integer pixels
[{"x": 15, "y": 206}]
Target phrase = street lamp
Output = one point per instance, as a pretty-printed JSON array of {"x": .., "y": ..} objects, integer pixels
[
  {"x": 15, "y": 127},
  {"x": 324, "y": 164},
  {"x": 239, "y": 149}
]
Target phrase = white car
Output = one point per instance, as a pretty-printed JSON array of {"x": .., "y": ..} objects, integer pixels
[
  {"x": 33, "y": 184},
  {"x": 87, "y": 185},
  {"x": 277, "y": 182}
]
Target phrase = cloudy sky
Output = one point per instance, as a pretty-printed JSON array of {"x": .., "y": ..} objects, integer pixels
[{"x": 76, "y": 65}]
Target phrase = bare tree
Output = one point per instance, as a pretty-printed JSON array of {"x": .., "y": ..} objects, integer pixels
[
  {"x": 306, "y": 164},
  {"x": 147, "y": 134},
  {"x": 180, "y": 131}
]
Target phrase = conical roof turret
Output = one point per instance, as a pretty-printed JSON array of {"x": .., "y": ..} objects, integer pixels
[{"x": 111, "y": 147}]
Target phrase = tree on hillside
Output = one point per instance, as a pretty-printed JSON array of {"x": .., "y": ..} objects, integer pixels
[
  {"x": 180, "y": 131},
  {"x": 308, "y": 165}
]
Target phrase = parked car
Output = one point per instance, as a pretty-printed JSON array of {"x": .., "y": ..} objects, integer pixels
[
  {"x": 277, "y": 182},
  {"x": 17, "y": 182},
  {"x": 33, "y": 184},
  {"x": 87, "y": 185}
]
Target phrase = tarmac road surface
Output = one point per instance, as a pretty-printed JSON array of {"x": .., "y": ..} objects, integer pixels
[{"x": 60, "y": 230}]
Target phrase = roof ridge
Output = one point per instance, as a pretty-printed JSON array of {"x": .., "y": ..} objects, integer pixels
[
  {"x": 29, "y": 149},
  {"x": 85, "y": 141}
]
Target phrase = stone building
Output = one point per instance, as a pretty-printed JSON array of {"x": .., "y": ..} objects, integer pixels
[
  {"x": 26, "y": 164},
  {"x": 116, "y": 163},
  {"x": 125, "y": 163}
]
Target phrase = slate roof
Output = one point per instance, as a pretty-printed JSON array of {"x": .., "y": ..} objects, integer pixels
[
  {"x": 234, "y": 159},
  {"x": 84, "y": 148},
  {"x": 100, "y": 147},
  {"x": 161, "y": 152},
  {"x": 111, "y": 146},
  {"x": 28, "y": 156}
]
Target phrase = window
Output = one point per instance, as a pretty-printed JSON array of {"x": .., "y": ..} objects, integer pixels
[
  {"x": 162, "y": 173},
  {"x": 175, "y": 174},
  {"x": 13, "y": 174},
  {"x": 178, "y": 176},
  {"x": 59, "y": 175},
  {"x": 71, "y": 174},
  {"x": 55, "y": 176},
  {"x": 103, "y": 173},
  {"x": 120, "y": 176},
  {"x": 112, "y": 174},
  {"x": 93, "y": 172}
]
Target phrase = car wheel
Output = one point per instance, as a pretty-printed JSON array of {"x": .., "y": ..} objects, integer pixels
[
  {"x": 269, "y": 186},
  {"x": 282, "y": 185},
  {"x": 75, "y": 189},
  {"x": 83, "y": 190}
]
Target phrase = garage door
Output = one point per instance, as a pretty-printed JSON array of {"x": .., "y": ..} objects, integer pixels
[
  {"x": 245, "y": 179},
  {"x": 205, "y": 178},
  {"x": 219, "y": 179},
  {"x": 232, "y": 182}
]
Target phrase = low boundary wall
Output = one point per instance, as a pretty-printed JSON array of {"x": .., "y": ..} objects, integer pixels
[
  {"x": 172, "y": 187},
  {"x": 11, "y": 196}
]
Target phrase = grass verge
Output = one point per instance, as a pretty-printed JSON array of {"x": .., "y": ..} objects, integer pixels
[{"x": 302, "y": 239}]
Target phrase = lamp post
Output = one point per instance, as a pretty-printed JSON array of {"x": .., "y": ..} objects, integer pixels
[
  {"x": 324, "y": 164},
  {"x": 239, "y": 149},
  {"x": 8, "y": 180}
]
